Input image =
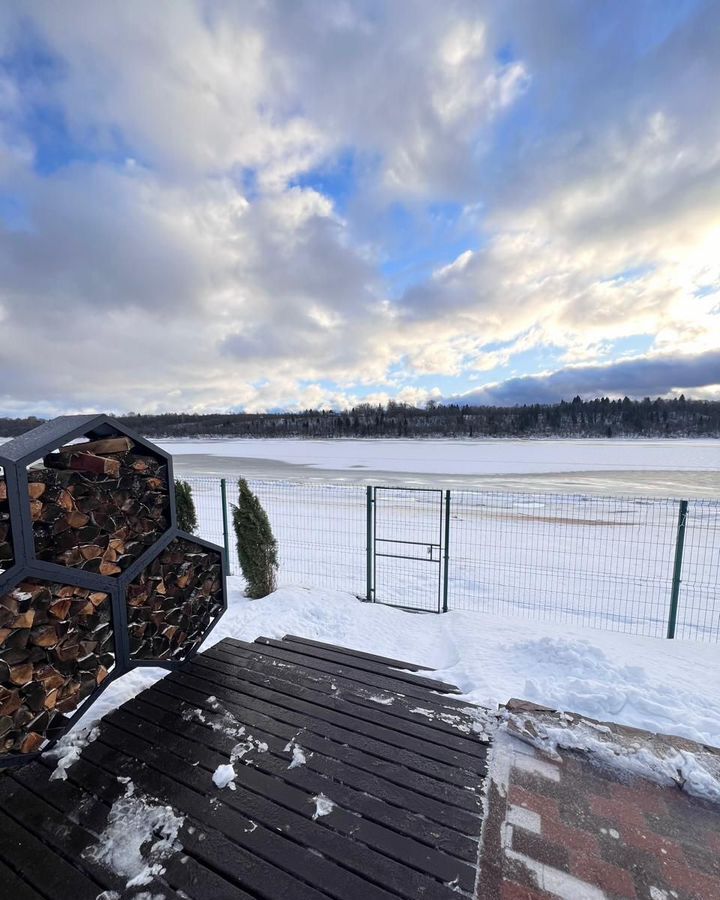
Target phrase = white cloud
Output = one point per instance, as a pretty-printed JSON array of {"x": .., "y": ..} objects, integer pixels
[{"x": 177, "y": 263}]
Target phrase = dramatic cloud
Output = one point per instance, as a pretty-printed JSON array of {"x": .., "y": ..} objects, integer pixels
[
  {"x": 268, "y": 204},
  {"x": 645, "y": 377}
]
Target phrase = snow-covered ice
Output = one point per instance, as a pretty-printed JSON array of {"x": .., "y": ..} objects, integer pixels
[{"x": 464, "y": 457}]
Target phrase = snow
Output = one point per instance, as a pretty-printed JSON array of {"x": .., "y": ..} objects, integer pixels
[
  {"x": 695, "y": 772},
  {"x": 118, "y": 692},
  {"x": 135, "y": 821},
  {"x": 68, "y": 749},
  {"x": 224, "y": 776},
  {"x": 323, "y": 806},
  {"x": 298, "y": 755},
  {"x": 464, "y": 457},
  {"x": 671, "y": 687}
]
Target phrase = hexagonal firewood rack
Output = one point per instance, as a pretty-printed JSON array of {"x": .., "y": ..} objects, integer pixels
[{"x": 95, "y": 576}]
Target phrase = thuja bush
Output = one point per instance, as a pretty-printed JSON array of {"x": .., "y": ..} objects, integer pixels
[
  {"x": 256, "y": 544},
  {"x": 186, "y": 515}
]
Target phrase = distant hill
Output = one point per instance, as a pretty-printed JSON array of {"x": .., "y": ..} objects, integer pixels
[{"x": 602, "y": 417}]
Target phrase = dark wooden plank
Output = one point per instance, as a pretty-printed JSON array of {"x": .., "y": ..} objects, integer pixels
[
  {"x": 344, "y": 764},
  {"x": 315, "y": 775},
  {"x": 62, "y": 835},
  {"x": 47, "y": 873},
  {"x": 445, "y": 763},
  {"x": 260, "y": 656},
  {"x": 11, "y": 886},
  {"x": 361, "y": 665},
  {"x": 392, "y": 681},
  {"x": 279, "y": 806},
  {"x": 276, "y": 761},
  {"x": 408, "y": 809},
  {"x": 385, "y": 660},
  {"x": 52, "y": 825},
  {"x": 416, "y": 720},
  {"x": 183, "y": 872},
  {"x": 434, "y": 782},
  {"x": 243, "y": 858}
]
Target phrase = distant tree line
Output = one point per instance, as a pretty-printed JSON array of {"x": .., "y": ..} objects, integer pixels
[{"x": 679, "y": 417}]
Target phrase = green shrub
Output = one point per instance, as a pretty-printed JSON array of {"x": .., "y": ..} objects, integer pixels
[
  {"x": 186, "y": 516},
  {"x": 256, "y": 544}
]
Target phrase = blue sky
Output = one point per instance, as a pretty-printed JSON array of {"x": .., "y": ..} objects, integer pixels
[{"x": 272, "y": 205}]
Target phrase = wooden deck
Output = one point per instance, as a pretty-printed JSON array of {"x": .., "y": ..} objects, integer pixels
[{"x": 397, "y": 754}]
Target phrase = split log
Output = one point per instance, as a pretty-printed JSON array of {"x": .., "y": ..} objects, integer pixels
[
  {"x": 167, "y": 619},
  {"x": 83, "y": 462},
  {"x": 119, "y": 502},
  {"x": 52, "y": 656},
  {"x": 101, "y": 446}
]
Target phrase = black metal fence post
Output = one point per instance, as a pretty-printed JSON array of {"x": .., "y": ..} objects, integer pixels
[
  {"x": 677, "y": 568},
  {"x": 226, "y": 534},
  {"x": 446, "y": 552},
  {"x": 369, "y": 547}
]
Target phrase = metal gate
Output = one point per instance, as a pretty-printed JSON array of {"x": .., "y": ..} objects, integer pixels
[{"x": 407, "y": 547}]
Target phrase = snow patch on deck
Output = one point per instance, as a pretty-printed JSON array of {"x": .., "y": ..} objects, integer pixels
[{"x": 136, "y": 821}]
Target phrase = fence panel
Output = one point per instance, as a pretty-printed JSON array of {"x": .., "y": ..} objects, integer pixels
[
  {"x": 320, "y": 529},
  {"x": 699, "y": 604},
  {"x": 602, "y": 562},
  {"x": 592, "y": 561}
]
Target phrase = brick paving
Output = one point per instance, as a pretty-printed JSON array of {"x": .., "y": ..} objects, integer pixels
[{"x": 566, "y": 828}]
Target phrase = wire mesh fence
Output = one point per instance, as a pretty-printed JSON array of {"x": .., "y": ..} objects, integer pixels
[
  {"x": 591, "y": 561},
  {"x": 604, "y": 562},
  {"x": 320, "y": 529}
]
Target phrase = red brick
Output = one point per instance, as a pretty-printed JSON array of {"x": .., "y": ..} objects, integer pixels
[
  {"x": 680, "y": 878},
  {"x": 647, "y": 840},
  {"x": 576, "y": 840},
  {"x": 646, "y": 797},
  {"x": 545, "y": 807},
  {"x": 713, "y": 839},
  {"x": 619, "y": 813},
  {"x": 601, "y": 874},
  {"x": 512, "y": 891}
]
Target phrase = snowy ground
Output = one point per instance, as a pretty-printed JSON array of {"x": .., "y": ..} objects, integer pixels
[{"x": 663, "y": 686}]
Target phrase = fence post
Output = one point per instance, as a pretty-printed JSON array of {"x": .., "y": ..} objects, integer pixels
[
  {"x": 369, "y": 545},
  {"x": 226, "y": 534},
  {"x": 446, "y": 552},
  {"x": 677, "y": 568}
]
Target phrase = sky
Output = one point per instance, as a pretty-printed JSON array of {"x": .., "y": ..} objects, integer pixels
[{"x": 210, "y": 206}]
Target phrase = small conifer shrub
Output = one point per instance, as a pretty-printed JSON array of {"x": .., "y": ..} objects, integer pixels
[
  {"x": 186, "y": 515},
  {"x": 256, "y": 544}
]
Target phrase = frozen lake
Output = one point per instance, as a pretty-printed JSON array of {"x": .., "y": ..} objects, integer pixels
[{"x": 669, "y": 468}]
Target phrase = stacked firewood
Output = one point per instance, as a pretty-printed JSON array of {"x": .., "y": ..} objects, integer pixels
[
  {"x": 173, "y": 601},
  {"x": 98, "y": 505},
  {"x": 56, "y": 647},
  {"x": 6, "y": 547}
]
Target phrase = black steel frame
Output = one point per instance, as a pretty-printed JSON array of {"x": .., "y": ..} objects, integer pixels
[{"x": 15, "y": 456}]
